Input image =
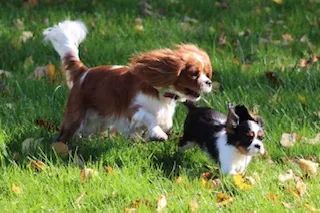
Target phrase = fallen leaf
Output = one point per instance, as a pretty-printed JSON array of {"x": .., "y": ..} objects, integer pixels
[
  {"x": 223, "y": 199},
  {"x": 108, "y": 169},
  {"x": 216, "y": 183},
  {"x": 302, "y": 99},
  {"x": 38, "y": 165},
  {"x": 309, "y": 167},
  {"x": 272, "y": 196},
  {"x": 40, "y": 72},
  {"x": 287, "y": 37},
  {"x": 18, "y": 23},
  {"x": 280, "y": 2},
  {"x": 287, "y": 205},
  {"x": 315, "y": 140},
  {"x": 130, "y": 210},
  {"x": 193, "y": 205},
  {"x": 240, "y": 182},
  {"x": 190, "y": 20},
  {"x": 60, "y": 148},
  {"x": 162, "y": 203},
  {"x": 51, "y": 72},
  {"x": 46, "y": 124},
  {"x": 311, "y": 208},
  {"x": 138, "y": 26},
  {"x": 5, "y": 74},
  {"x": 288, "y": 139},
  {"x": 87, "y": 173},
  {"x": 140, "y": 202},
  {"x": 273, "y": 78},
  {"x": 301, "y": 187},
  {"x": 16, "y": 189},
  {"x": 179, "y": 179},
  {"x": 77, "y": 202},
  {"x": 222, "y": 40},
  {"x": 289, "y": 175},
  {"x": 25, "y": 36}
]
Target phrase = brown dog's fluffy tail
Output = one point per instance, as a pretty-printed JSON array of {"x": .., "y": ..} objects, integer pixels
[{"x": 66, "y": 38}]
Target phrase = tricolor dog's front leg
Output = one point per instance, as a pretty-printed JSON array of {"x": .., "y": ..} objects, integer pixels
[{"x": 143, "y": 118}]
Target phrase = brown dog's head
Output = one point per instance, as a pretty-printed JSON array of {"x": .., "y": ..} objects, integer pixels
[{"x": 184, "y": 71}]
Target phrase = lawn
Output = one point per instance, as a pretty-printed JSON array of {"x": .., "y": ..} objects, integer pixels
[{"x": 265, "y": 55}]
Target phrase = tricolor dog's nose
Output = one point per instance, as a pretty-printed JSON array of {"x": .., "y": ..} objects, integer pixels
[
  {"x": 257, "y": 146},
  {"x": 208, "y": 82}
]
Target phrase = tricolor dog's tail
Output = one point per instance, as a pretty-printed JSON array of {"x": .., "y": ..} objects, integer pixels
[{"x": 66, "y": 38}]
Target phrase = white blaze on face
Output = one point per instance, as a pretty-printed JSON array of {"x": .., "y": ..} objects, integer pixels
[
  {"x": 205, "y": 83},
  {"x": 256, "y": 147}
]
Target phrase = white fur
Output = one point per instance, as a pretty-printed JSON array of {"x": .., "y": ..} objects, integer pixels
[
  {"x": 231, "y": 160},
  {"x": 155, "y": 114},
  {"x": 66, "y": 37},
  {"x": 202, "y": 80}
]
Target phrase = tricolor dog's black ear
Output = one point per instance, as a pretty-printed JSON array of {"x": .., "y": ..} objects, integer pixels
[
  {"x": 243, "y": 113},
  {"x": 232, "y": 119}
]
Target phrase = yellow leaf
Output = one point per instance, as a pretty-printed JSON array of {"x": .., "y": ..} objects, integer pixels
[
  {"x": 37, "y": 165},
  {"x": 138, "y": 25},
  {"x": 16, "y": 189},
  {"x": 179, "y": 179},
  {"x": 302, "y": 99},
  {"x": 287, "y": 205},
  {"x": 162, "y": 203},
  {"x": 311, "y": 208},
  {"x": 51, "y": 72},
  {"x": 241, "y": 183},
  {"x": 193, "y": 205},
  {"x": 87, "y": 173},
  {"x": 130, "y": 210},
  {"x": 309, "y": 167},
  {"x": 287, "y": 37},
  {"x": 288, "y": 139},
  {"x": 79, "y": 199},
  {"x": 108, "y": 169},
  {"x": 223, "y": 199},
  {"x": 272, "y": 197}
]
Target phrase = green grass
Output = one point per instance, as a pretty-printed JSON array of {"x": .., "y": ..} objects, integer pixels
[{"x": 143, "y": 171}]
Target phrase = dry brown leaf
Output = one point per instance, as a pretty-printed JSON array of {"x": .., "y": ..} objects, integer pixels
[
  {"x": 301, "y": 187},
  {"x": 46, "y": 124},
  {"x": 87, "y": 173},
  {"x": 287, "y": 37},
  {"x": 16, "y": 189},
  {"x": 241, "y": 183},
  {"x": 38, "y": 165},
  {"x": 289, "y": 175},
  {"x": 223, "y": 199},
  {"x": 193, "y": 205},
  {"x": 25, "y": 36},
  {"x": 222, "y": 40},
  {"x": 162, "y": 203},
  {"x": 288, "y": 139},
  {"x": 309, "y": 167},
  {"x": 60, "y": 148}
]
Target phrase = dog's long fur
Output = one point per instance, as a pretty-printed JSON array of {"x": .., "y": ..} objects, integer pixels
[{"x": 142, "y": 95}]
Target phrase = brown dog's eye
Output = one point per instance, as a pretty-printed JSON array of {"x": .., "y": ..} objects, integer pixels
[{"x": 194, "y": 75}]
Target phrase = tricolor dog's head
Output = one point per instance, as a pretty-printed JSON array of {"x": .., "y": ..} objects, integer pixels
[
  {"x": 245, "y": 132},
  {"x": 184, "y": 71}
]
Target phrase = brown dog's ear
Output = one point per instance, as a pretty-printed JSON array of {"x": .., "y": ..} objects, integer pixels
[
  {"x": 232, "y": 119},
  {"x": 159, "y": 68}
]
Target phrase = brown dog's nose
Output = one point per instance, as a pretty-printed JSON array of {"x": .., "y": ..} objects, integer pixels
[{"x": 208, "y": 82}]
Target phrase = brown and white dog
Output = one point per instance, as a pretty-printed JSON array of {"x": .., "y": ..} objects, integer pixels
[{"x": 142, "y": 95}]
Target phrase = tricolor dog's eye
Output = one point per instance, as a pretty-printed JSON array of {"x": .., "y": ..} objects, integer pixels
[
  {"x": 260, "y": 135},
  {"x": 250, "y": 134}
]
